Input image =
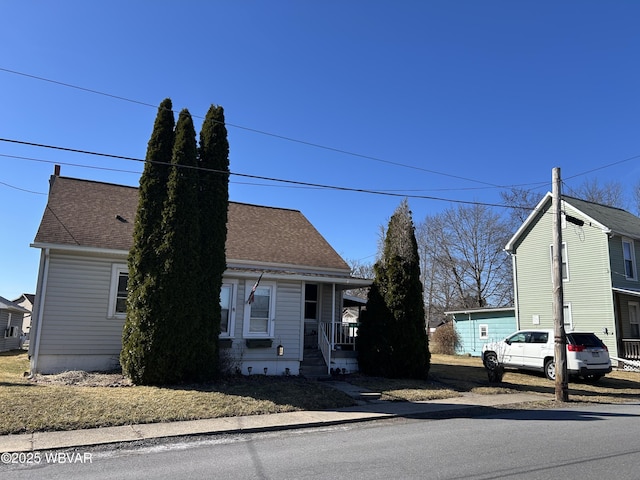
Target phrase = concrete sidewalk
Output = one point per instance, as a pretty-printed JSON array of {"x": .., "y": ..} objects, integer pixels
[{"x": 369, "y": 408}]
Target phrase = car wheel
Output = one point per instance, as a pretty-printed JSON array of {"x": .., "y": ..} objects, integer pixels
[
  {"x": 550, "y": 369},
  {"x": 490, "y": 361},
  {"x": 592, "y": 378}
]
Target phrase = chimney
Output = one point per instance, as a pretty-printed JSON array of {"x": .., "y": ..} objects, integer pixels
[{"x": 56, "y": 173}]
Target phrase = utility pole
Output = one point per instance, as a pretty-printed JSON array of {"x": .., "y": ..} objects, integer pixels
[{"x": 560, "y": 350}]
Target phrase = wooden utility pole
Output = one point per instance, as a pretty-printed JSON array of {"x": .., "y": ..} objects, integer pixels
[{"x": 560, "y": 350}]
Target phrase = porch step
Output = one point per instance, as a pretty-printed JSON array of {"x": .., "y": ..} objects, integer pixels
[
  {"x": 313, "y": 365},
  {"x": 313, "y": 358},
  {"x": 314, "y": 373}
]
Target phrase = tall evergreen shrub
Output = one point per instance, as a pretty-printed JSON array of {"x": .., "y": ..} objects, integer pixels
[{"x": 144, "y": 303}]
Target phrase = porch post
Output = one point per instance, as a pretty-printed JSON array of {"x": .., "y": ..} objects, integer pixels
[{"x": 332, "y": 343}]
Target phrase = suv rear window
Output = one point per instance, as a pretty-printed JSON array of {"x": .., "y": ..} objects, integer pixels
[{"x": 585, "y": 339}]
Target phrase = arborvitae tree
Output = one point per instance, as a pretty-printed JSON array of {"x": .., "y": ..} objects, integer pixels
[
  {"x": 174, "y": 354},
  {"x": 374, "y": 350},
  {"x": 395, "y": 306},
  {"x": 213, "y": 204},
  {"x": 144, "y": 298}
]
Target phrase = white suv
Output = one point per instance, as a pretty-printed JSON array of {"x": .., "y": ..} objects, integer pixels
[{"x": 587, "y": 356}]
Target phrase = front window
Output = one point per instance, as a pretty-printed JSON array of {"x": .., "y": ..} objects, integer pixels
[
  {"x": 259, "y": 312},
  {"x": 629, "y": 259},
  {"x": 118, "y": 292}
]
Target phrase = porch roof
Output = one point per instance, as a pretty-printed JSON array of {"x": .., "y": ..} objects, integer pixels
[{"x": 627, "y": 291}]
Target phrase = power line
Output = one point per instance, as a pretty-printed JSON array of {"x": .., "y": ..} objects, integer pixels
[
  {"x": 21, "y": 189},
  {"x": 261, "y": 132},
  {"x": 246, "y": 175}
]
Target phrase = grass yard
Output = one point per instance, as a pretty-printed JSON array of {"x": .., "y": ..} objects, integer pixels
[
  {"x": 45, "y": 406},
  {"x": 30, "y": 407}
]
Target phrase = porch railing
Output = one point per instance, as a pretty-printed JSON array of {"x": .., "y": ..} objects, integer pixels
[
  {"x": 631, "y": 349},
  {"x": 343, "y": 334}
]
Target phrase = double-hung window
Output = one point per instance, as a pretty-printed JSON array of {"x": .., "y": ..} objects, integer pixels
[
  {"x": 629, "y": 254},
  {"x": 259, "y": 312},
  {"x": 565, "y": 262},
  {"x": 484, "y": 331},
  {"x": 568, "y": 319},
  {"x": 118, "y": 292}
]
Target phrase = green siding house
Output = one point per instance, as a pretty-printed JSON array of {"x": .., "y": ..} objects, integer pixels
[{"x": 599, "y": 271}]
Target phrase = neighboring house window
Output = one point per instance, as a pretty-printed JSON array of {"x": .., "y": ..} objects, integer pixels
[
  {"x": 484, "y": 331},
  {"x": 634, "y": 319},
  {"x": 311, "y": 301},
  {"x": 259, "y": 314},
  {"x": 568, "y": 321},
  {"x": 227, "y": 302},
  {"x": 565, "y": 263},
  {"x": 118, "y": 293},
  {"x": 628, "y": 251}
]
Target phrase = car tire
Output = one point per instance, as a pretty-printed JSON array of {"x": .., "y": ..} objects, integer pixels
[
  {"x": 490, "y": 361},
  {"x": 550, "y": 369}
]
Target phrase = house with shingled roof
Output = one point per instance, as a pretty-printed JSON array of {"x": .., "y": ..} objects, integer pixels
[
  {"x": 601, "y": 282},
  {"x": 80, "y": 305},
  {"x": 11, "y": 315}
]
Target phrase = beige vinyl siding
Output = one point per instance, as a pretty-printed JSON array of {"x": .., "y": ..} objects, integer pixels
[
  {"x": 75, "y": 317},
  {"x": 327, "y": 308},
  {"x": 588, "y": 289},
  {"x": 288, "y": 323},
  {"x": 289, "y": 319}
]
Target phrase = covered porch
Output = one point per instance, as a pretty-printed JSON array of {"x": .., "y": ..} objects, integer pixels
[
  {"x": 627, "y": 302},
  {"x": 330, "y": 341}
]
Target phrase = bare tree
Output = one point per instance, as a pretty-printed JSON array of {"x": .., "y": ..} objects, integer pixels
[
  {"x": 360, "y": 270},
  {"x": 521, "y": 202},
  {"x": 462, "y": 253},
  {"x": 610, "y": 193},
  {"x": 636, "y": 197}
]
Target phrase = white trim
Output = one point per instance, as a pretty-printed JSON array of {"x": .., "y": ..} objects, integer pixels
[
  {"x": 564, "y": 260},
  {"x": 480, "y": 310},
  {"x": 566, "y": 308},
  {"x": 41, "y": 293},
  {"x": 231, "y": 326},
  {"x": 539, "y": 208},
  {"x": 116, "y": 270},
  {"x": 270, "y": 332},
  {"x": 632, "y": 252},
  {"x": 484, "y": 326}
]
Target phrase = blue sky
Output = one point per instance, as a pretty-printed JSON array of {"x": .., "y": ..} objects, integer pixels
[{"x": 447, "y": 99}]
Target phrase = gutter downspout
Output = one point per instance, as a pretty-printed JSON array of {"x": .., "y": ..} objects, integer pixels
[
  {"x": 473, "y": 332},
  {"x": 39, "y": 309},
  {"x": 514, "y": 267}
]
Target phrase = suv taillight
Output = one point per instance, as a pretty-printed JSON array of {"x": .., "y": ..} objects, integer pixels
[{"x": 575, "y": 348}]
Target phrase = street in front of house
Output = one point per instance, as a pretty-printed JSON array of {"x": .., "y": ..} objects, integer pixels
[{"x": 569, "y": 442}]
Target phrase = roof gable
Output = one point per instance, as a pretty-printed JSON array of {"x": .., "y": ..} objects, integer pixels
[
  {"x": 88, "y": 214},
  {"x": 610, "y": 219}
]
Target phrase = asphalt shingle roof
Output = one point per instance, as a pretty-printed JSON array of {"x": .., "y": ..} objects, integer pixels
[
  {"x": 616, "y": 219},
  {"x": 101, "y": 215}
]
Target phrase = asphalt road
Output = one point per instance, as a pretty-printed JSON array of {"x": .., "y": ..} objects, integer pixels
[{"x": 587, "y": 442}]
